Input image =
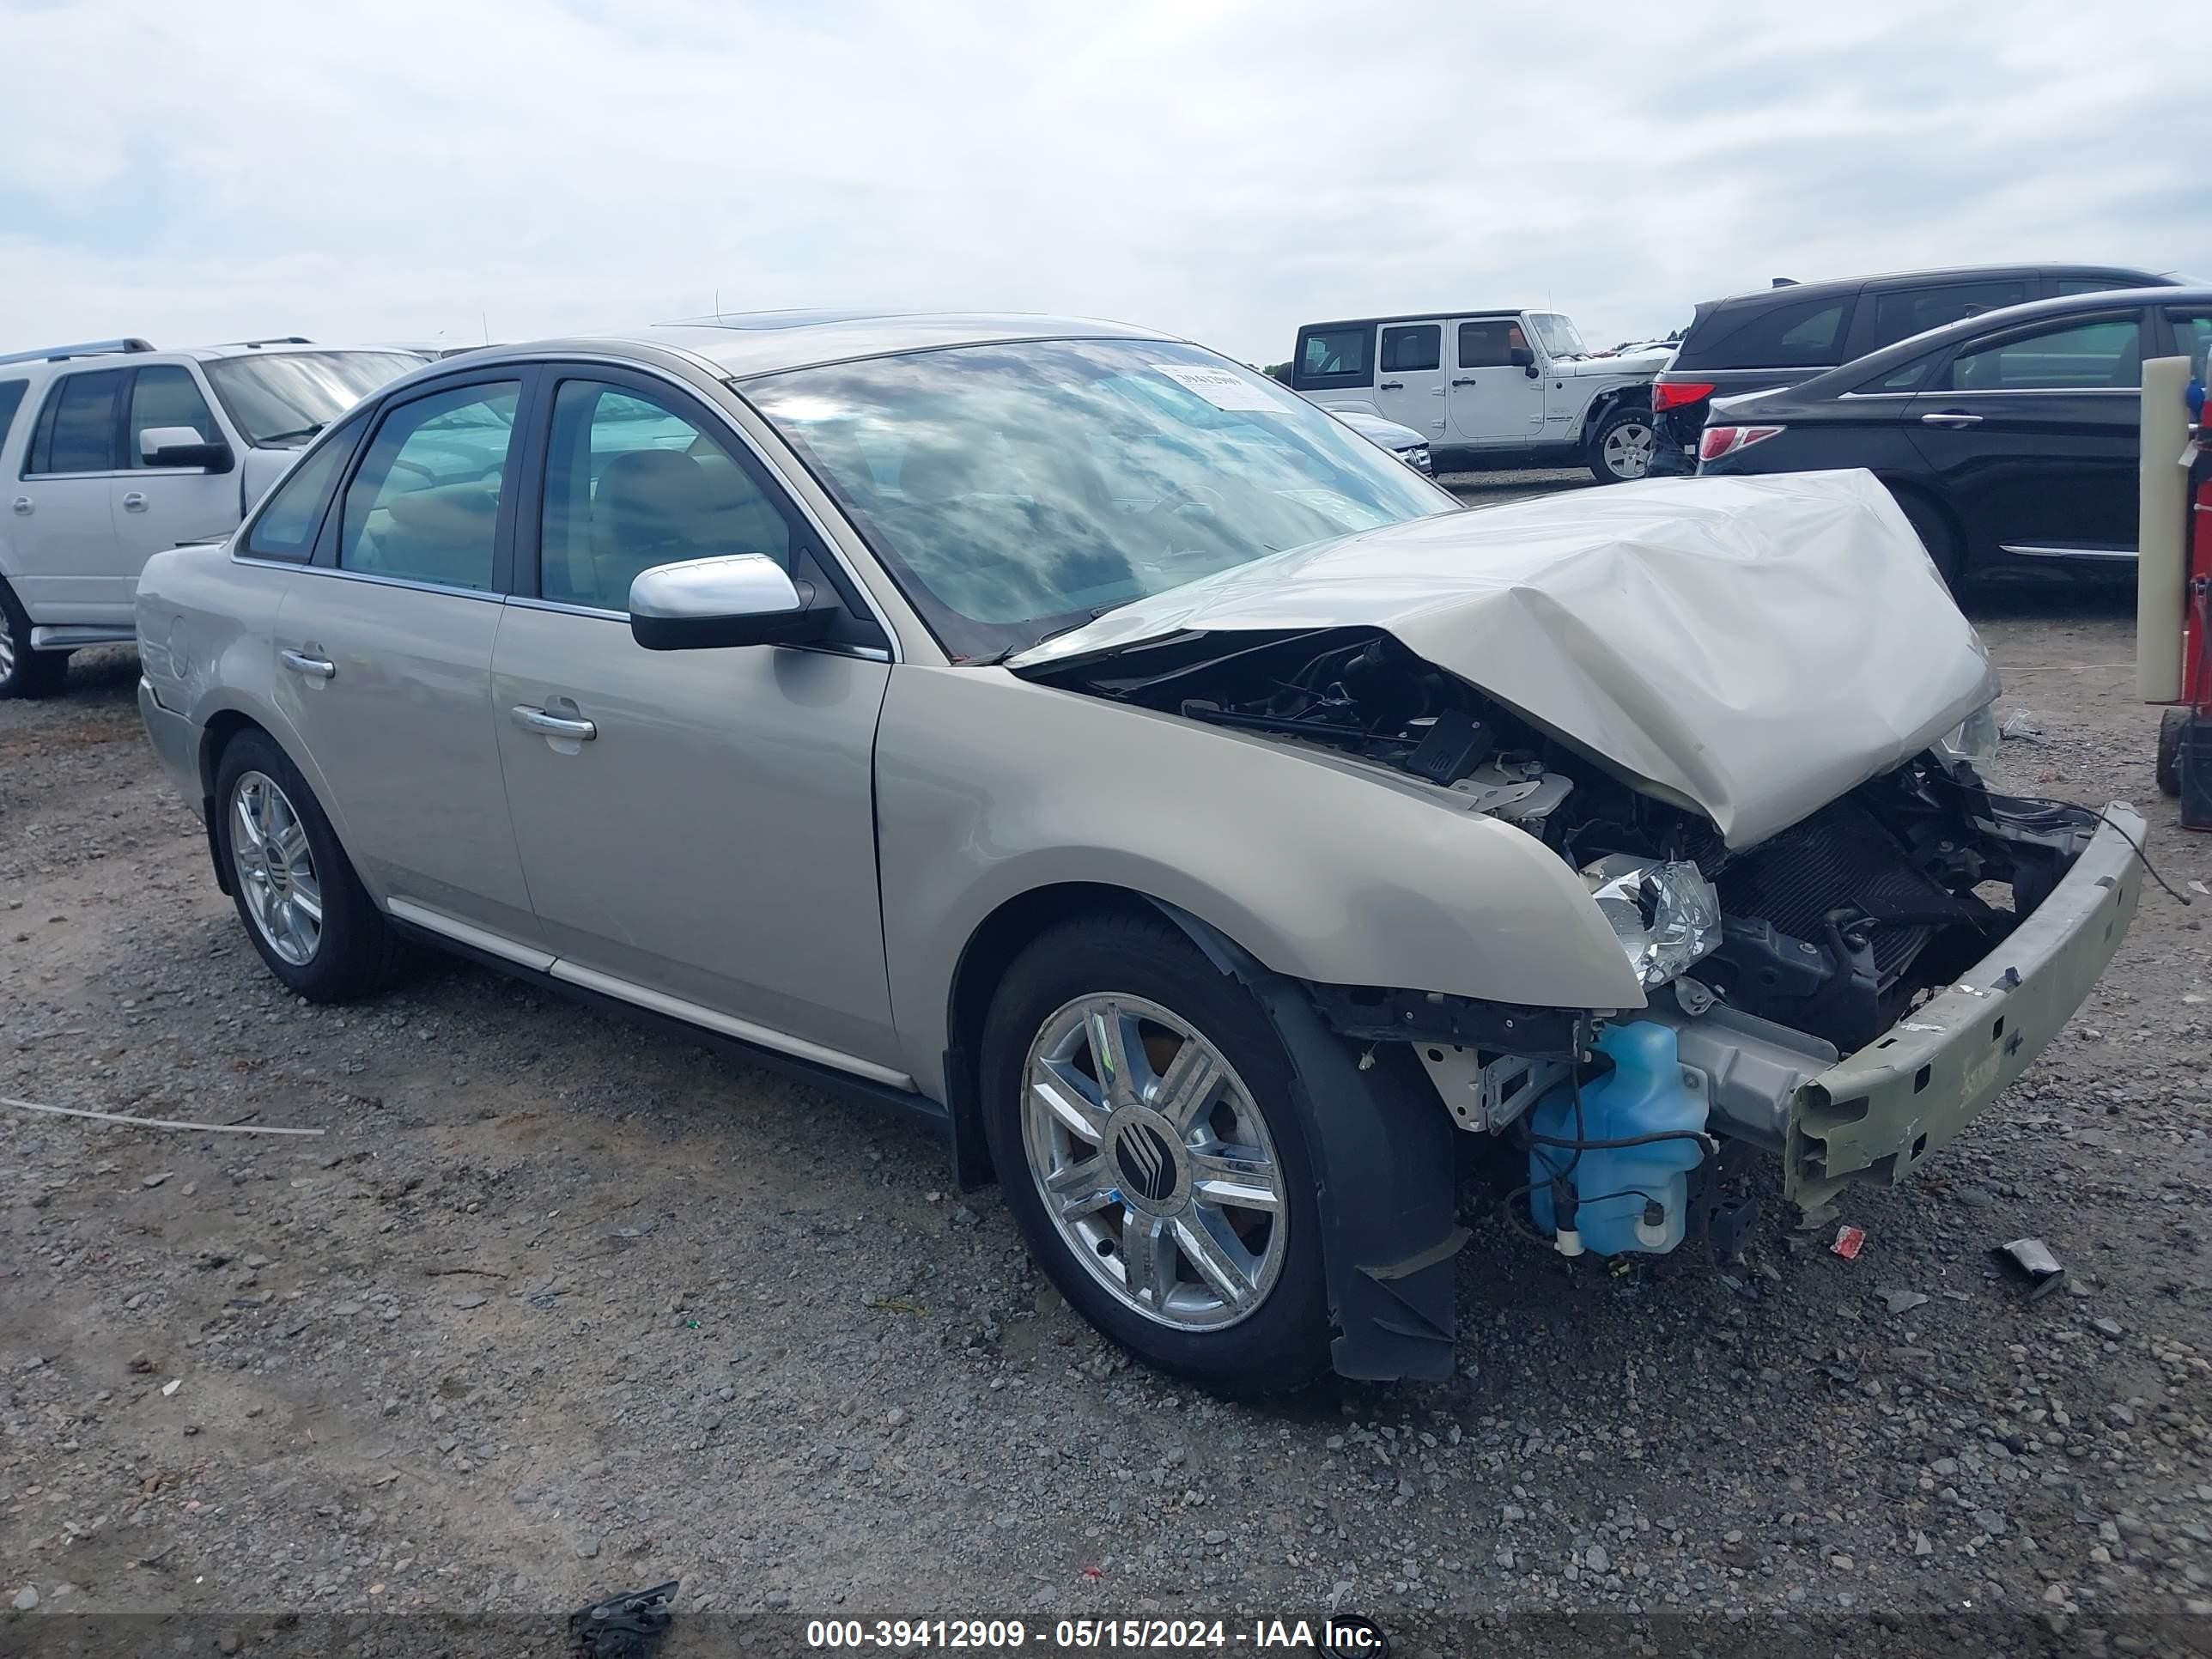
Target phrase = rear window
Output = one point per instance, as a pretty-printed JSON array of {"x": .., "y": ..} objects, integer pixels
[
  {"x": 12, "y": 399},
  {"x": 1334, "y": 357},
  {"x": 1801, "y": 334},
  {"x": 1902, "y": 313}
]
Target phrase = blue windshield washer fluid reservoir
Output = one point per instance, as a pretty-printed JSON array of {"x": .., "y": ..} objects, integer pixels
[{"x": 1626, "y": 1198}]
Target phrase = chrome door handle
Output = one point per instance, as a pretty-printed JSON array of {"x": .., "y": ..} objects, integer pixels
[
  {"x": 319, "y": 668},
  {"x": 552, "y": 725},
  {"x": 135, "y": 501},
  {"x": 23, "y": 505},
  {"x": 1950, "y": 420}
]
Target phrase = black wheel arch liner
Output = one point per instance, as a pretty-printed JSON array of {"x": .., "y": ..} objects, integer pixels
[
  {"x": 1384, "y": 1163},
  {"x": 1384, "y": 1169}
]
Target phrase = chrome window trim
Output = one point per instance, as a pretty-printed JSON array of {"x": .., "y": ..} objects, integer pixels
[
  {"x": 2038, "y": 550},
  {"x": 489, "y": 596},
  {"x": 2004, "y": 391}
]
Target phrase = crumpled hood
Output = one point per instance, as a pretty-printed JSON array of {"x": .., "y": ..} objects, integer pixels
[{"x": 1750, "y": 647}]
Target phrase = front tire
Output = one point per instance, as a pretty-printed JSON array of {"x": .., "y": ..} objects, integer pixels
[
  {"x": 24, "y": 673},
  {"x": 1139, "y": 1108},
  {"x": 1620, "y": 449},
  {"x": 305, "y": 909}
]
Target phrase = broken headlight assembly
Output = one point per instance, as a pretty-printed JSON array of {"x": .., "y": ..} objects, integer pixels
[
  {"x": 1973, "y": 740},
  {"x": 1665, "y": 913}
]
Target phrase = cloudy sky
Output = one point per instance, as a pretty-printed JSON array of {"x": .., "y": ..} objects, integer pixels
[{"x": 385, "y": 169}]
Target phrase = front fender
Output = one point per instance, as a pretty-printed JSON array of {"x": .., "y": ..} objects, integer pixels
[{"x": 989, "y": 787}]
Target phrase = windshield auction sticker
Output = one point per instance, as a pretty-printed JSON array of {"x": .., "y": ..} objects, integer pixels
[{"x": 1219, "y": 387}]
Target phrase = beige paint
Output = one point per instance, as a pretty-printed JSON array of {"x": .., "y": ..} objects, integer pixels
[{"x": 2162, "y": 542}]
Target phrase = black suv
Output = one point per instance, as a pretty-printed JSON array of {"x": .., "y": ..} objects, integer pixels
[{"x": 1786, "y": 334}]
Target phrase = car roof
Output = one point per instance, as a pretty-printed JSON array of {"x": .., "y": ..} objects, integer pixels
[
  {"x": 1784, "y": 293},
  {"x": 741, "y": 343},
  {"x": 1936, "y": 339},
  {"x": 1463, "y": 314},
  {"x": 67, "y": 358}
]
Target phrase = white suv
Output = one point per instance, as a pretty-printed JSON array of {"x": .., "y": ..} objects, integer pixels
[
  {"x": 112, "y": 451},
  {"x": 1513, "y": 387}
]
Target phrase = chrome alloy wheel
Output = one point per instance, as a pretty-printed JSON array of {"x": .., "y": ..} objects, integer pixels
[
  {"x": 1153, "y": 1163},
  {"x": 1628, "y": 450},
  {"x": 276, "y": 868},
  {"x": 7, "y": 650}
]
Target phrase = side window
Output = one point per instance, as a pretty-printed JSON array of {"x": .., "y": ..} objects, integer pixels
[
  {"x": 1802, "y": 335},
  {"x": 76, "y": 426},
  {"x": 1334, "y": 357},
  {"x": 12, "y": 399},
  {"x": 287, "y": 526},
  {"x": 424, "y": 506},
  {"x": 1419, "y": 346},
  {"x": 2103, "y": 355},
  {"x": 1906, "y": 377},
  {"x": 2064, "y": 285},
  {"x": 2192, "y": 337},
  {"x": 166, "y": 395},
  {"x": 1490, "y": 343},
  {"x": 630, "y": 484},
  {"x": 1907, "y": 312}
]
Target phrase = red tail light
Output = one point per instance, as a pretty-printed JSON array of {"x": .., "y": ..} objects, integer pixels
[
  {"x": 1722, "y": 441},
  {"x": 1667, "y": 394}
]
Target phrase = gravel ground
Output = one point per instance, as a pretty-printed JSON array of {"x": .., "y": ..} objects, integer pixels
[{"x": 553, "y": 1307}]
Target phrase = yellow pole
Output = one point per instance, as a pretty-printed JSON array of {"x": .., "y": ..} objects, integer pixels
[{"x": 2162, "y": 542}]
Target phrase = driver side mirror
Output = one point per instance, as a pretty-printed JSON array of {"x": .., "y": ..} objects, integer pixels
[
  {"x": 180, "y": 445},
  {"x": 740, "y": 598},
  {"x": 1522, "y": 358}
]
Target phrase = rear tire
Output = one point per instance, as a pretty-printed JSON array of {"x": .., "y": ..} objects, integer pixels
[
  {"x": 24, "y": 673},
  {"x": 1144, "y": 1235},
  {"x": 303, "y": 906},
  {"x": 1933, "y": 526},
  {"x": 1620, "y": 449},
  {"x": 2172, "y": 723}
]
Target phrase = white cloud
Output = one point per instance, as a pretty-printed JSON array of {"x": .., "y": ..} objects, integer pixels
[{"x": 397, "y": 169}]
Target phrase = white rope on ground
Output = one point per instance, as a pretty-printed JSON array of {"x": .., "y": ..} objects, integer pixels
[{"x": 157, "y": 1122}]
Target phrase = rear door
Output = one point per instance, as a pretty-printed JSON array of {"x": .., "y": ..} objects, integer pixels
[
  {"x": 1494, "y": 403},
  {"x": 384, "y": 644},
  {"x": 61, "y": 527},
  {"x": 2033, "y": 433},
  {"x": 1409, "y": 381},
  {"x": 156, "y": 507}
]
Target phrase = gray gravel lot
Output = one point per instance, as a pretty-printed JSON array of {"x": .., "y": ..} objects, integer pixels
[{"x": 555, "y": 1306}]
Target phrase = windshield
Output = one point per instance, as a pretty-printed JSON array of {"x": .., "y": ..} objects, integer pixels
[
  {"x": 287, "y": 397},
  {"x": 1560, "y": 336},
  {"x": 1014, "y": 490}
]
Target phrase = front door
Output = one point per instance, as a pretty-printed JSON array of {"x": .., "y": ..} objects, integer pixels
[
  {"x": 1409, "y": 381},
  {"x": 701, "y": 829},
  {"x": 1494, "y": 402},
  {"x": 385, "y": 653},
  {"x": 156, "y": 507},
  {"x": 2034, "y": 435}
]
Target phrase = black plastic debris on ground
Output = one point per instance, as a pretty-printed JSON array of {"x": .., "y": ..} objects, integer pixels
[
  {"x": 2032, "y": 1260},
  {"x": 625, "y": 1626}
]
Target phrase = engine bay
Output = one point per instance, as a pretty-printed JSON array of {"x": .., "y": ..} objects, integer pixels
[{"x": 1836, "y": 927}]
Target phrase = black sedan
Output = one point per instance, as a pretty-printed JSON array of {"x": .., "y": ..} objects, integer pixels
[{"x": 2009, "y": 439}]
